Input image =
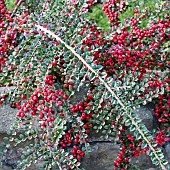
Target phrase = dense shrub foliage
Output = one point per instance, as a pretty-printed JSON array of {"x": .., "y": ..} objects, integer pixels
[{"x": 49, "y": 51}]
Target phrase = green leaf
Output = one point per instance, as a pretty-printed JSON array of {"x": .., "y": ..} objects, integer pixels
[
  {"x": 6, "y": 139},
  {"x": 137, "y": 135},
  {"x": 128, "y": 122},
  {"x": 92, "y": 76},
  {"x": 132, "y": 128},
  {"x": 21, "y": 136},
  {"x": 144, "y": 145},
  {"x": 89, "y": 61},
  {"x": 101, "y": 88},
  {"x": 108, "y": 95}
]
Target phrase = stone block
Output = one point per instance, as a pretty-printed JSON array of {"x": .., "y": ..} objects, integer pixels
[
  {"x": 144, "y": 162},
  {"x": 145, "y": 113},
  {"x": 101, "y": 157},
  {"x": 7, "y": 114},
  {"x": 7, "y": 117}
]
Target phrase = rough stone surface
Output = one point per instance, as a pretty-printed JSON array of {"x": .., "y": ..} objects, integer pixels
[
  {"x": 79, "y": 95},
  {"x": 6, "y": 168},
  {"x": 101, "y": 157},
  {"x": 167, "y": 148},
  {"x": 7, "y": 117},
  {"x": 13, "y": 155},
  {"x": 7, "y": 114},
  {"x": 144, "y": 162},
  {"x": 145, "y": 113},
  {"x": 167, "y": 153}
]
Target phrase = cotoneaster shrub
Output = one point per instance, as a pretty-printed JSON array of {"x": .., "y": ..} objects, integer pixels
[{"x": 49, "y": 49}]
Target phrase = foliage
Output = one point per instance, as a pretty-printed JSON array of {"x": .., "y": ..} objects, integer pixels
[
  {"x": 95, "y": 13},
  {"x": 99, "y": 17},
  {"x": 10, "y": 4},
  {"x": 49, "y": 50}
]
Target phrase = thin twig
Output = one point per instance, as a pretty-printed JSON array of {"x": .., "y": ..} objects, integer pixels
[{"x": 16, "y": 8}]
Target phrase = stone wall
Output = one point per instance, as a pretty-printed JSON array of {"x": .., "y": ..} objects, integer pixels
[{"x": 103, "y": 152}]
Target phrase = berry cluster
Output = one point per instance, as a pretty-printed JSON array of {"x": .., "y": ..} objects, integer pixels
[
  {"x": 9, "y": 31},
  {"x": 112, "y": 9},
  {"x": 161, "y": 138},
  {"x": 77, "y": 153}
]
